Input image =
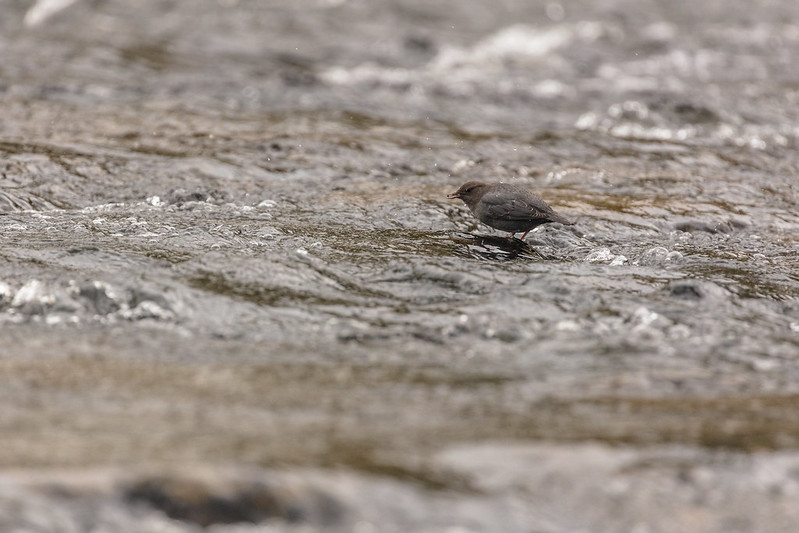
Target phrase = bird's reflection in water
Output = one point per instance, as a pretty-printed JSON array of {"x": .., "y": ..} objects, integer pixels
[{"x": 496, "y": 248}]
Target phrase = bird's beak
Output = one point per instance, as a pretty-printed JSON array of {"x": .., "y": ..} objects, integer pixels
[{"x": 453, "y": 195}]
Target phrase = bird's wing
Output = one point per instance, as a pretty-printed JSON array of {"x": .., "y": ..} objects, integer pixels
[{"x": 515, "y": 209}]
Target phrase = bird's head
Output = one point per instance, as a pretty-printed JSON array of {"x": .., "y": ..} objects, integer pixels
[{"x": 470, "y": 192}]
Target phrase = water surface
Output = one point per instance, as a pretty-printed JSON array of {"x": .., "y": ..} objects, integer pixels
[{"x": 234, "y": 294}]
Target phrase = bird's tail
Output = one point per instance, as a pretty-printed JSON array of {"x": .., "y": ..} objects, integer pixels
[{"x": 554, "y": 217}]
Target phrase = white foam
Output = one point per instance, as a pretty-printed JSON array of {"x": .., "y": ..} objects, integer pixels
[
  {"x": 44, "y": 9},
  {"x": 32, "y": 292},
  {"x": 517, "y": 41}
]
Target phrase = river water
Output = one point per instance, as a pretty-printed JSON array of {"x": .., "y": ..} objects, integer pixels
[{"x": 234, "y": 295}]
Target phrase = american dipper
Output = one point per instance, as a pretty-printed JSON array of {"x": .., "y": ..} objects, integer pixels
[{"x": 506, "y": 207}]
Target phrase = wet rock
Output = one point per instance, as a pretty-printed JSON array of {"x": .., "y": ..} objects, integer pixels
[
  {"x": 98, "y": 298},
  {"x": 144, "y": 304},
  {"x": 696, "y": 290},
  {"x": 686, "y": 290},
  {"x": 696, "y": 114},
  {"x": 180, "y": 196},
  {"x": 420, "y": 44},
  {"x": 6, "y": 294},
  {"x": 205, "y": 502},
  {"x": 298, "y": 77}
]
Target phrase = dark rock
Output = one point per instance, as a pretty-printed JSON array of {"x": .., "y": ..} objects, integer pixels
[{"x": 206, "y": 503}]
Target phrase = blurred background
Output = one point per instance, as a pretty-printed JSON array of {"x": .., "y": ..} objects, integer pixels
[{"x": 234, "y": 295}]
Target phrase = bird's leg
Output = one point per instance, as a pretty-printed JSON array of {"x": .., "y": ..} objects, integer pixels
[
  {"x": 512, "y": 236},
  {"x": 525, "y": 234}
]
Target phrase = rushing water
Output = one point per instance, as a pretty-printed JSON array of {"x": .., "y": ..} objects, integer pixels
[{"x": 234, "y": 294}]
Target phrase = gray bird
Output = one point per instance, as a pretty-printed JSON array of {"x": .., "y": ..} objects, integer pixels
[{"x": 507, "y": 207}]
